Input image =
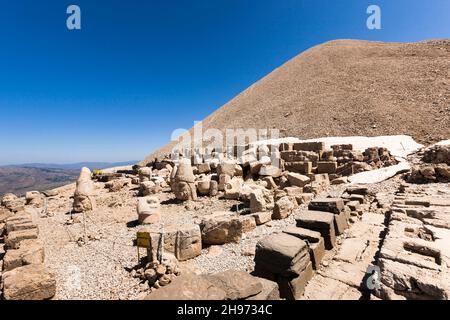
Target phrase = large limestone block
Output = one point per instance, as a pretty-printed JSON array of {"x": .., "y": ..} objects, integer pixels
[
  {"x": 280, "y": 254},
  {"x": 298, "y": 180},
  {"x": 270, "y": 291},
  {"x": 30, "y": 252},
  {"x": 283, "y": 208},
  {"x": 237, "y": 284},
  {"x": 261, "y": 200},
  {"x": 188, "y": 287},
  {"x": 333, "y": 205},
  {"x": 322, "y": 222},
  {"x": 184, "y": 242},
  {"x": 14, "y": 238},
  {"x": 221, "y": 230},
  {"x": 30, "y": 282}
]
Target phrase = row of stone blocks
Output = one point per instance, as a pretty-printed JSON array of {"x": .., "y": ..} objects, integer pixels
[
  {"x": 23, "y": 273},
  {"x": 290, "y": 257},
  {"x": 414, "y": 258}
]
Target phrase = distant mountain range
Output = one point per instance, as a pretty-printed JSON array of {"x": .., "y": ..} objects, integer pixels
[{"x": 21, "y": 178}]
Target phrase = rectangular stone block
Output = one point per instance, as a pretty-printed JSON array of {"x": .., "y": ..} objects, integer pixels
[
  {"x": 184, "y": 242},
  {"x": 342, "y": 147},
  {"x": 262, "y": 217},
  {"x": 314, "y": 240},
  {"x": 280, "y": 254},
  {"x": 303, "y": 167},
  {"x": 322, "y": 222},
  {"x": 14, "y": 238},
  {"x": 333, "y": 205},
  {"x": 30, "y": 282},
  {"x": 30, "y": 252},
  {"x": 307, "y": 235},
  {"x": 317, "y": 251},
  {"x": 293, "y": 288},
  {"x": 309, "y": 146},
  {"x": 340, "y": 223},
  {"x": 285, "y": 147},
  {"x": 327, "y": 167}
]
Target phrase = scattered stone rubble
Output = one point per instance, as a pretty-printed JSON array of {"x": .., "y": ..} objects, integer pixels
[
  {"x": 332, "y": 233},
  {"x": 435, "y": 166}
]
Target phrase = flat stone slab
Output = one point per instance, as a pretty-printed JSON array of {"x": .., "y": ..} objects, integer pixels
[
  {"x": 31, "y": 282},
  {"x": 323, "y": 288},
  {"x": 237, "y": 284},
  {"x": 188, "y": 287}
]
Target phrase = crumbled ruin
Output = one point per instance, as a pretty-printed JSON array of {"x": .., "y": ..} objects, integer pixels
[{"x": 266, "y": 221}]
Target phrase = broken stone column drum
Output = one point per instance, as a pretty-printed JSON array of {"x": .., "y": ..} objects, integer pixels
[
  {"x": 183, "y": 183},
  {"x": 83, "y": 193}
]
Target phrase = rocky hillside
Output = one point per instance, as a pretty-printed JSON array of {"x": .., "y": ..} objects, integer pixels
[
  {"x": 349, "y": 87},
  {"x": 40, "y": 176}
]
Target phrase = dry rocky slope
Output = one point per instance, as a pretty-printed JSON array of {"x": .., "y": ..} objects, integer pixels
[{"x": 349, "y": 87}]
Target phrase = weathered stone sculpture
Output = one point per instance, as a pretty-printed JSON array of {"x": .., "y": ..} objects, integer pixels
[
  {"x": 83, "y": 200},
  {"x": 148, "y": 210},
  {"x": 183, "y": 181}
]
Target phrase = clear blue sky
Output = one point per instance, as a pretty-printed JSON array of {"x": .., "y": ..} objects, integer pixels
[{"x": 116, "y": 89}]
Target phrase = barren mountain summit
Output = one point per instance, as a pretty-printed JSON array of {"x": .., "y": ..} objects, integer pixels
[{"x": 349, "y": 87}]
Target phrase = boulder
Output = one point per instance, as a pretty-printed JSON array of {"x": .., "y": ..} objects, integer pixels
[
  {"x": 238, "y": 285},
  {"x": 30, "y": 252},
  {"x": 298, "y": 180},
  {"x": 116, "y": 185},
  {"x": 280, "y": 254},
  {"x": 270, "y": 170},
  {"x": 14, "y": 238},
  {"x": 261, "y": 200},
  {"x": 221, "y": 230},
  {"x": 12, "y": 202},
  {"x": 34, "y": 198},
  {"x": 188, "y": 287},
  {"x": 30, "y": 282},
  {"x": 248, "y": 223},
  {"x": 148, "y": 188},
  {"x": 283, "y": 208},
  {"x": 262, "y": 217},
  {"x": 270, "y": 291},
  {"x": 204, "y": 185},
  {"x": 233, "y": 188}
]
